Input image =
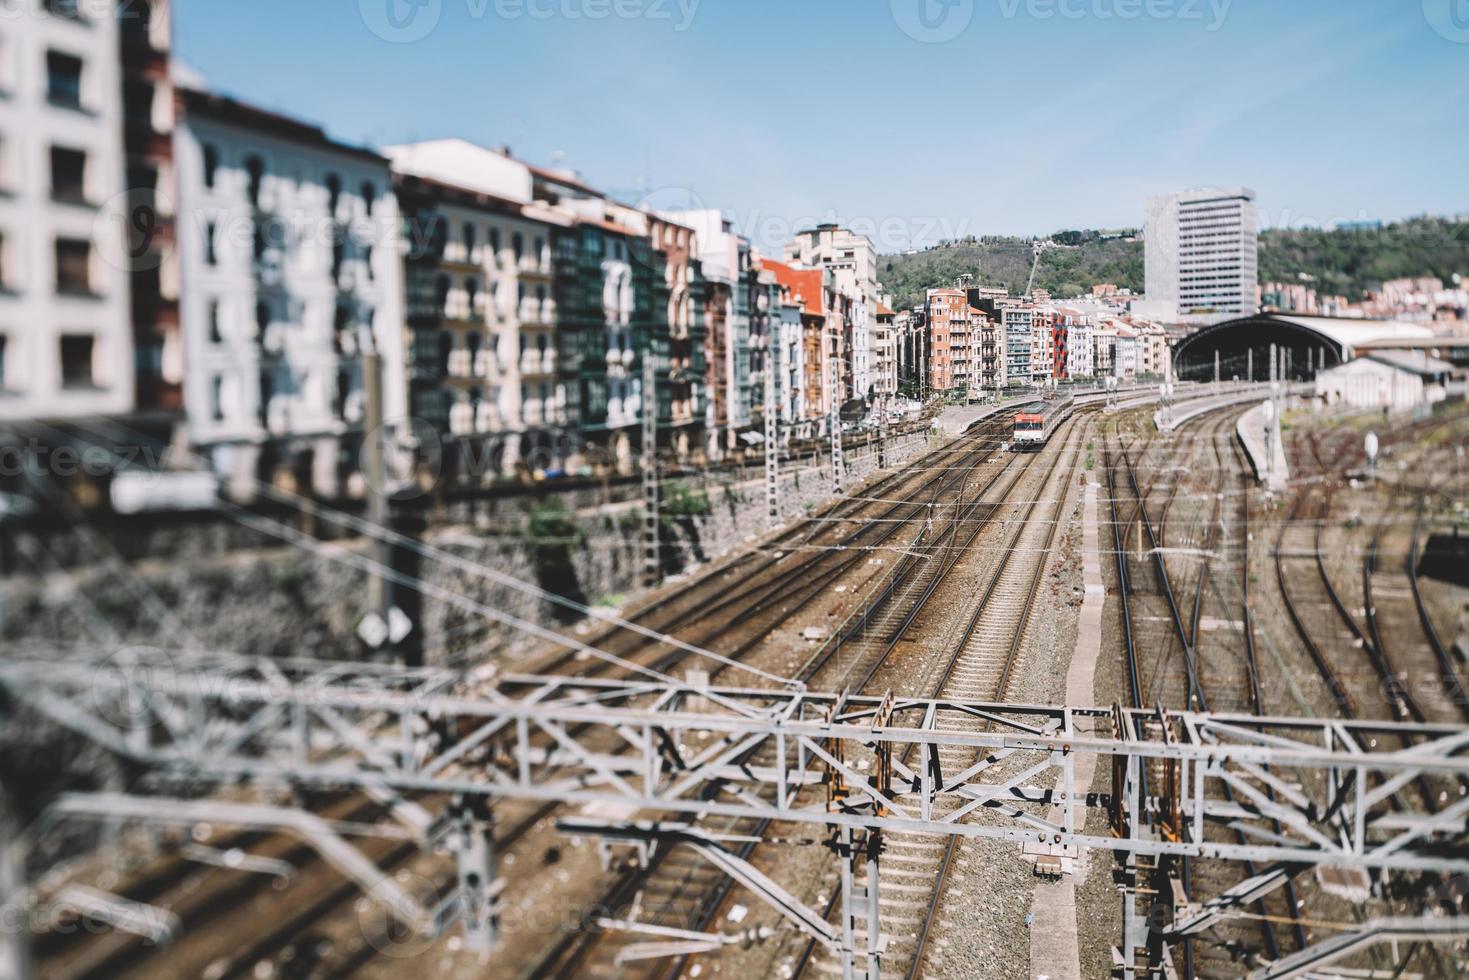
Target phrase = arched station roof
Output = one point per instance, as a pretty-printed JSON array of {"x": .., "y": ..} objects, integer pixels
[{"x": 1313, "y": 341}]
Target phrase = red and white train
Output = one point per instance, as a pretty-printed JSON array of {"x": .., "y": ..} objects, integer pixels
[{"x": 1034, "y": 429}]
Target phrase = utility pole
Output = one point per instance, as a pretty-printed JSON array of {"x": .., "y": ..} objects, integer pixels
[
  {"x": 1216, "y": 372},
  {"x": 772, "y": 448},
  {"x": 652, "y": 551},
  {"x": 384, "y": 625},
  {"x": 1250, "y": 366},
  {"x": 833, "y": 391},
  {"x": 16, "y": 962}
]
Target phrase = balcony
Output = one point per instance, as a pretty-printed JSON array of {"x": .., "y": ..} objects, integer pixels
[
  {"x": 461, "y": 419},
  {"x": 487, "y": 418},
  {"x": 535, "y": 268},
  {"x": 538, "y": 312}
]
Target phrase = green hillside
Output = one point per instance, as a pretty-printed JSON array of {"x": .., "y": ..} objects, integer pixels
[{"x": 1346, "y": 261}]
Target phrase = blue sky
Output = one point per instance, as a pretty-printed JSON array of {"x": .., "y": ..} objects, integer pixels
[{"x": 1035, "y": 115}]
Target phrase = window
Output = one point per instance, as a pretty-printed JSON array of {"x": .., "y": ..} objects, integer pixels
[
  {"x": 469, "y": 237},
  {"x": 73, "y": 266},
  {"x": 369, "y": 197},
  {"x": 64, "y": 80},
  {"x": 262, "y": 316},
  {"x": 64, "y": 8},
  {"x": 517, "y": 245},
  {"x": 211, "y": 164},
  {"x": 540, "y": 249},
  {"x": 216, "y": 398},
  {"x": 255, "y": 167},
  {"x": 471, "y": 290},
  {"x": 76, "y": 360},
  {"x": 3, "y": 340},
  {"x": 495, "y": 243},
  {"x": 211, "y": 253},
  {"x": 216, "y": 335},
  {"x": 68, "y": 174},
  {"x": 446, "y": 347},
  {"x": 333, "y": 194},
  {"x": 441, "y": 294}
]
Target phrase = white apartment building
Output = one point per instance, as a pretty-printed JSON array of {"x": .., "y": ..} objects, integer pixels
[
  {"x": 66, "y": 346},
  {"x": 1202, "y": 254},
  {"x": 1042, "y": 348},
  {"x": 288, "y": 244},
  {"x": 853, "y": 260},
  {"x": 1080, "y": 348}
]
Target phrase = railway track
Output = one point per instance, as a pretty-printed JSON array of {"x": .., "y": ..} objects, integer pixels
[
  {"x": 706, "y": 611},
  {"x": 1162, "y": 679},
  {"x": 868, "y": 641}
]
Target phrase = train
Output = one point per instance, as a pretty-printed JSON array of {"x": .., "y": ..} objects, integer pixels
[{"x": 1033, "y": 429}]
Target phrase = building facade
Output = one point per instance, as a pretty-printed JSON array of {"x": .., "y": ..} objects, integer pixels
[
  {"x": 1201, "y": 250},
  {"x": 288, "y": 246},
  {"x": 66, "y": 338},
  {"x": 947, "y": 316},
  {"x": 852, "y": 259}
]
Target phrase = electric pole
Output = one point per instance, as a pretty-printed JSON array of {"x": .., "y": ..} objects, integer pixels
[
  {"x": 833, "y": 391},
  {"x": 772, "y": 447},
  {"x": 652, "y": 552}
]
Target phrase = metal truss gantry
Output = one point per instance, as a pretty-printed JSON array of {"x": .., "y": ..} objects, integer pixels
[{"x": 1305, "y": 792}]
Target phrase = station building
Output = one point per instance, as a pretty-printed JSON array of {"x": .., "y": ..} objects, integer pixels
[{"x": 1241, "y": 347}]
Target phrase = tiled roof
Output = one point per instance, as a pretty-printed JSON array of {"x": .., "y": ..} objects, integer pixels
[{"x": 807, "y": 284}]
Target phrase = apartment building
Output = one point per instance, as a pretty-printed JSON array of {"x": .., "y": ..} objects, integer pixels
[
  {"x": 801, "y": 294},
  {"x": 66, "y": 339},
  {"x": 885, "y": 354},
  {"x": 1018, "y": 321},
  {"x": 287, "y": 242},
  {"x": 1201, "y": 253},
  {"x": 1042, "y": 344},
  {"x": 481, "y": 317},
  {"x": 1060, "y": 342},
  {"x": 852, "y": 259},
  {"x": 1080, "y": 358},
  {"x": 688, "y": 376},
  {"x": 947, "y": 315}
]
